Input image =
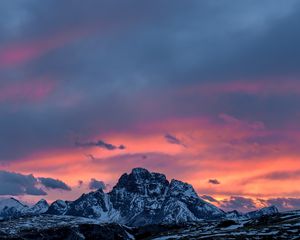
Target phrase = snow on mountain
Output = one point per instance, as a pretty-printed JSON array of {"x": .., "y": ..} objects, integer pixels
[
  {"x": 141, "y": 198},
  {"x": 9, "y": 203},
  {"x": 12, "y": 208},
  {"x": 233, "y": 215},
  {"x": 39, "y": 208},
  {"x": 58, "y": 207},
  {"x": 262, "y": 212}
]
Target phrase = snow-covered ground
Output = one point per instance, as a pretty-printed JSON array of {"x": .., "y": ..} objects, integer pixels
[{"x": 277, "y": 226}]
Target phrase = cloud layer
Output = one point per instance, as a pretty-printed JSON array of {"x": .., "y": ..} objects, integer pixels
[
  {"x": 12, "y": 183},
  {"x": 200, "y": 90}
]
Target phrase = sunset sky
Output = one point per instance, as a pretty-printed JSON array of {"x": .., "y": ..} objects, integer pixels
[{"x": 207, "y": 92}]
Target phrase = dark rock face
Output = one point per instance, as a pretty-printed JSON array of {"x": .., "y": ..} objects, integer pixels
[
  {"x": 141, "y": 198},
  {"x": 93, "y": 205},
  {"x": 59, "y": 207}
]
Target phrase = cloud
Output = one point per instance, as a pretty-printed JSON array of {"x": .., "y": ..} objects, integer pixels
[
  {"x": 244, "y": 204},
  {"x": 284, "y": 204},
  {"x": 51, "y": 183},
  {"x": 281, "y": 175},
  {"x": 275, "y": 176},
  {"x": 239, "y": 203},
  {"x": 209, "y": 198},
  {"x": 154, "y": 161},
  {"x": 101, "y": 144},
  {"x": 240, "y": 123},
  {"x": 18, "y": 184},
  {"x": 213, "y": 181},
  {"x": 80, "y": 183},
  {"x": 31, "y": 91},
  {"x": 168, "y": 58},
  {"x": 173, "y": 140},
  {"x": 96, "y": 184}
]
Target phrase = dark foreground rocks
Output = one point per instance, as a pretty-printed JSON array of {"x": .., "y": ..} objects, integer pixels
[{"x": 51, "y": 227}]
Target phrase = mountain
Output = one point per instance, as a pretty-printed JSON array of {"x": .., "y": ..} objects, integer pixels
[
  {"x": 261, "y": 212},
  {"x": 58, "y": 207},
  {"x": 12, "y": 208},
  {"x": 40, "y": 207},
  {"x": 234, "y": 215},
  {"x": 141, "y": 198}
]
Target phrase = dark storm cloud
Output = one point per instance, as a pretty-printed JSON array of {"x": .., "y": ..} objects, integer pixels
[
  {"x": 18, "y": 184},
  {"x": 214, "y": 181},
  {"x": 109, "y": 59},
  {"x": 12, "y": 183},
  {"x": 51, "y": 183},
  {"x": 96, "y": 184},
  {"x": 100, "y": 144}
]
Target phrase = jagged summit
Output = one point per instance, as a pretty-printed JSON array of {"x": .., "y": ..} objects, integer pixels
[
  {"x": 139, "y": 198},
  {"x": 142, "y": 182},
  {"x": 40, "y": 207}
]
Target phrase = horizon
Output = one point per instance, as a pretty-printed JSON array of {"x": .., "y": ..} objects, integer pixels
[
  {"x": 206, "y": 92},
  {"x": 105, "y": 189}
]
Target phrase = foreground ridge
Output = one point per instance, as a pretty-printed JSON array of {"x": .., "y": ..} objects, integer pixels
[{"x": 275, "y": 226}]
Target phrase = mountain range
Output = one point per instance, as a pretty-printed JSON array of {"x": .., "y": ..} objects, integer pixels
[{"x": 138, "y": 199}]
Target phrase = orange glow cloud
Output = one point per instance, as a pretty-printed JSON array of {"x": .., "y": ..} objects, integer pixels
[{"x": 203, "y": 158}]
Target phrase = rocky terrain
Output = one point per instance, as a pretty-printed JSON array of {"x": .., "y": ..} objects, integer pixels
[{"x": 49, "y": 227}]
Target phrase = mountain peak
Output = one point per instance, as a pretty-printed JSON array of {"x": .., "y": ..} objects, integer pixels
[
  {"x": 270, "y": 210},
  {"x": 10, "y": 202},
  {"x": 42, "y": 202},
  {"x": 139, "y": 171},
  {"x": 141, "y": 181},
  {"x": 181, "y": 188}
]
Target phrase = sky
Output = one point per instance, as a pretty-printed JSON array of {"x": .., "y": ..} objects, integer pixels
[{"x": 207, "y": 92}]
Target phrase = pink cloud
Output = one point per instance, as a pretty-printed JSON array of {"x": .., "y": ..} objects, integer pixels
[
  {"x": 276, "y": 86},
  {"x": 257, "y": 125},
  {"x": 18, "y": 53},
  {"x": 27, "y": 91}
]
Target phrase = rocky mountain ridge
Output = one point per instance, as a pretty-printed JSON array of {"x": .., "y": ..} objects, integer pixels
[
  {"x": 12, "y": 208},
  {"x": 139, "y": 198}
]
